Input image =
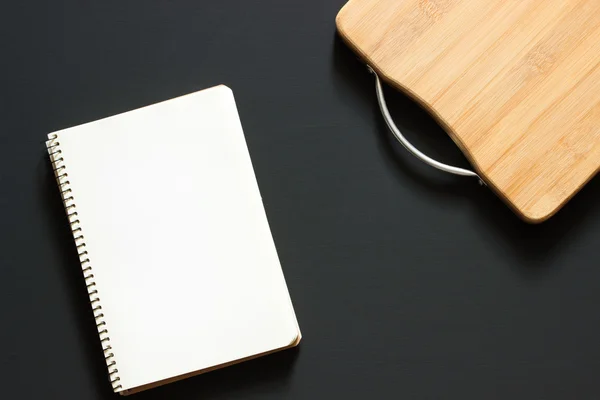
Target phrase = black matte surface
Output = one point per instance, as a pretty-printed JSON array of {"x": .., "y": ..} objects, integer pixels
[{"x": 407, "y": 283}]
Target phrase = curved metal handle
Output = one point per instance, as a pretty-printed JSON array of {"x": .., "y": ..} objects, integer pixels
[{"x": 412, "y": 149}]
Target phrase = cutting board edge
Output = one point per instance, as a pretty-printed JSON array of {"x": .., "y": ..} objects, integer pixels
[{"x": 530, "y": 215}]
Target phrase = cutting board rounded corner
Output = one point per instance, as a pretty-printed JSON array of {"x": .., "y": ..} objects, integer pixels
[
  {"x": 532, "y": 216},
  {"x": 546, "y": 178}
]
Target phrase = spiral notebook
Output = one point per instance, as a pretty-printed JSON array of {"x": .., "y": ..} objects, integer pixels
[{"x": 181, "y": 269}]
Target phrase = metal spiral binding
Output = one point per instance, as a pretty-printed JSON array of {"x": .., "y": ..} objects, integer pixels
[{"x": 62, "y": 177}]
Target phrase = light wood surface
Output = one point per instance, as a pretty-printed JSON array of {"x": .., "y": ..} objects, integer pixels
[{"x": 516, "y": 84}]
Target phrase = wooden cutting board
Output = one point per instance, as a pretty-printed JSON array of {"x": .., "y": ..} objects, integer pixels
[{"x": 515, "y": 83}]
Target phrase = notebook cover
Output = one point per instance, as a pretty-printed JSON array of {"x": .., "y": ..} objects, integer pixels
[{"x": 174, "y": 242}]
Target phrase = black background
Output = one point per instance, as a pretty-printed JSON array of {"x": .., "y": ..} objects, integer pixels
[{"x": 407, "y": 283}]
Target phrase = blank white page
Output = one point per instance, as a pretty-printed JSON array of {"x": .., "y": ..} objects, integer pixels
[{"x": 177, "y": 238}]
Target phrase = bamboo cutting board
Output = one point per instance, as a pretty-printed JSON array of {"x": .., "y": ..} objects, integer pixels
[{"x": 516, "y": 84}]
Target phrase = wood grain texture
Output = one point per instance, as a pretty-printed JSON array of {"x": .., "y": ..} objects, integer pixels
[{"x": 516, "y": 84}]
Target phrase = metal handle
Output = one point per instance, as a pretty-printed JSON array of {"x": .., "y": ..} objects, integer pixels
[{"x": 412, "y": 149}]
